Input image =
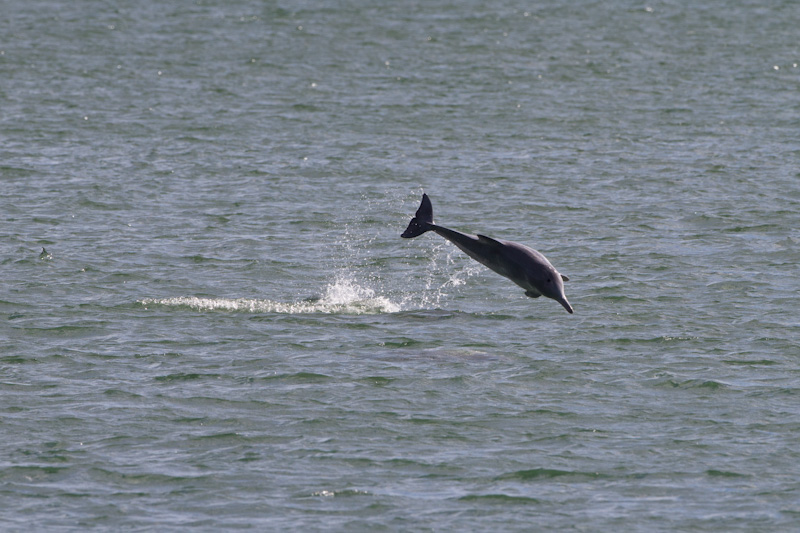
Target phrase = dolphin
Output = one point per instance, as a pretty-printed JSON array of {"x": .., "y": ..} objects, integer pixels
[{"x": 524, "y": 266}]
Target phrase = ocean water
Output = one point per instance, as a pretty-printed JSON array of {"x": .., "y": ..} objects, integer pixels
[{"x": 208, "y": 319}]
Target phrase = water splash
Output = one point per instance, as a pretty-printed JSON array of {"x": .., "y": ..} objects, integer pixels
[
  {"x": 366, "y": 245},
  {"x": 344, "y": 296},
  {"x": 371, "y": 278}
]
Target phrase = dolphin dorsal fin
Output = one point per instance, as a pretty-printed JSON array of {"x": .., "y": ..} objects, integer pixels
[{"x": 488, "y": 240}]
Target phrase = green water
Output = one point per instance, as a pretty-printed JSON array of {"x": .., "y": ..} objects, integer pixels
[{"x": 225, "y": 331}]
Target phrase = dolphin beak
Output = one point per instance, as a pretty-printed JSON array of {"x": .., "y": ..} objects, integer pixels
[{"x": 566, "y": 305}]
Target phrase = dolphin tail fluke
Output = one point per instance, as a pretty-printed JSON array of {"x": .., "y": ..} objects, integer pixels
[{"x": 422, "y": 221}]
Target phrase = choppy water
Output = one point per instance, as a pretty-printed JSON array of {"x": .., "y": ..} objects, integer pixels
[{"x": 209, "y": 319}]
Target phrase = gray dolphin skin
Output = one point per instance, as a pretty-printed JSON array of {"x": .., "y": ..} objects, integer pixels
[{"x": 524, "y": 266}]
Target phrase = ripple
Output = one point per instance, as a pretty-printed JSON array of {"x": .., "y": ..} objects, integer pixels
[
  {"x": 546, "y": 473},
  {"x": 500, "y": 499}
]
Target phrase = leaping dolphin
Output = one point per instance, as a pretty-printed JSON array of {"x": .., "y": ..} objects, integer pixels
[{"x": 524, "y": 266}]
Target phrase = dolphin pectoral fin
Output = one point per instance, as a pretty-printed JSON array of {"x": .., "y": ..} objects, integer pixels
[
  {"x": 488, "y": 240},
  {"x": 563, "y": 277},
  {"x": 532, "y": 294}
]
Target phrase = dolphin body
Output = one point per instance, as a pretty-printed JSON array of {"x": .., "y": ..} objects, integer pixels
[{"x": 524, "y": 266}]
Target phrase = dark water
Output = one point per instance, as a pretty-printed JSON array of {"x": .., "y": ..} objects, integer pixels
[{"x": 209, "y": 319}]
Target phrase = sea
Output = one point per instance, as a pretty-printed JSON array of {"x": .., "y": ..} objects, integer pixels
[{"x": 209, "y": 321}]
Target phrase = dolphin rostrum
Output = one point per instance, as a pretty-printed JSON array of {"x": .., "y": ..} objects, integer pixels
[{"x": 524, "y": 266}]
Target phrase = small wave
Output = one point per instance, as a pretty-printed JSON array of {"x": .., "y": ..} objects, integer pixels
[{"x": 341, "y": 297}]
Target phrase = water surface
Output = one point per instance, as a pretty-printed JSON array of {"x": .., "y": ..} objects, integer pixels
[{"x": 209, "y": 319}]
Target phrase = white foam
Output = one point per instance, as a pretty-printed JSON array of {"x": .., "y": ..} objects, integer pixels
[{"x": 342, "y": 296}]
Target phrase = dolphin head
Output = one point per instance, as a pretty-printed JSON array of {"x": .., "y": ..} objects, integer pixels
[{"x": 553, "y": 287}]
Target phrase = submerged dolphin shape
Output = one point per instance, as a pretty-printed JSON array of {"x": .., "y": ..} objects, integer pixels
[{"x": 524, "y": 266}]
